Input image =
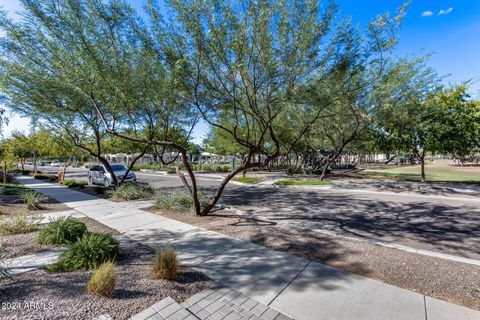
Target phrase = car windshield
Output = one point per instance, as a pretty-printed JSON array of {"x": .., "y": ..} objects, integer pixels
[{"x": 118, "y": 167}]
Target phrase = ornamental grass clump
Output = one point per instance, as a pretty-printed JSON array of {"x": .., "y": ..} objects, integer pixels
[
  {"x": 32, "y": 199},
  {"x": 132, "y": 191},
  {"x": 103, "y": 280},
  {"x": 165, "y": 265},
  {"x": 62, "y": 231},
  {"x": 87, "y": 253}
]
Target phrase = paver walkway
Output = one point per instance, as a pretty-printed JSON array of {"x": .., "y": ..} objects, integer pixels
[
  {"x": 215, "y": 303},
  {"x": 31, "y": 262},
  {"x": 294, "y": 286}
]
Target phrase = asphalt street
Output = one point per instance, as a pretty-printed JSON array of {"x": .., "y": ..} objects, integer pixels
[{"x": 444, "y": 224}]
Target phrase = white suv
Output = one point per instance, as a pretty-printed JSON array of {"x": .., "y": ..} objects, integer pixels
[{"x": 99, "y": 175}]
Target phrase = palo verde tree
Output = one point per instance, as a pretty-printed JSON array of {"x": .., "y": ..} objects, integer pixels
[{"x": 246, "y": 63}]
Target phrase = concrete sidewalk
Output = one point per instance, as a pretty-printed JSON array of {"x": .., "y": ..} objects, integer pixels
[{"x": 294, "y": 286}]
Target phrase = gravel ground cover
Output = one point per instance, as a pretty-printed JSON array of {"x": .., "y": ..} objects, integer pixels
[
  {"x": 17, "y": 245},
  {"x": 42, "y": 295},
  {"x": 13, "y": 203},
  {"x": 455, "y": 282}
]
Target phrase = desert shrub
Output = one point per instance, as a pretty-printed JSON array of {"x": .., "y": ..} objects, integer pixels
[
  {"x": 178, "y": 201},
  {"x": 4, "y": 272},
  {"x": 171, "y": 170},
  {"x": 99, "y": 190},
  {"x": 148, "y": 166},
  {"x": 349, "y": 166},
  {"x": 132, "y": 191},
  {"x": 88, "y": 252},
  {"x": 103, "y": 280},
  {"x": 19, "y": 222},
  {"x": 32, "y": 199},
  {"x": 62, "y": 231},
  {"x": 165, "y": 265},
  {"x": 42, "y": 176},
  {"x": 77, "y": 164},
  {"x": 73, "y": 183},
  {"x": 212, "y": 167}
]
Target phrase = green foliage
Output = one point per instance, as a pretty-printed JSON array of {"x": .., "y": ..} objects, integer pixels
[
  {"x": 165, "y": 265},
  {"x": 178, "y": 201},
  {"x": 87, "y": 253},
  {"x": 33, "y": 199},
  {"x": 171, "y": 170},
  {"x": 148, "y": 166},
  {"x": 286, "y": 182},
  {"x": 50, "y": 177},
  {"x": 20, "y": 222},
  {"x": 103, "y": 280},
  {"x": 62, "y": 231},
  {"x": 132, "y": 191},
  {"x": 212, "y": 167},
  {"x": 247, "y": 179},
  {"x": 99, "y": 190},
  {"x": 74, "y": 183}
]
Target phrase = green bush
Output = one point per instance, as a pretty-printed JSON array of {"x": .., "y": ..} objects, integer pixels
[
  {"x": 73, "y": 183},
  {"x": 132, "y": 191},
  {"x": 178, "y": 201},
  {"x": 42, "y": 176},
  {"x": 171, "y": 170},
  {"x": 20, "y": 222},
  {"x": 99, "y": 190},
  {"x": 4, "y": 272},
  {"x": 88, "y": 252},
  {"x": 32, "y": 199},
  {"x": 103, "y": 280},
  {"x": 344, "y": 166},
  {"x": 212, "y": 167},
  {"x": 165, "y": 265},
  {"x": 148, "y": 166},
  {"x": 62, "y": 231}
]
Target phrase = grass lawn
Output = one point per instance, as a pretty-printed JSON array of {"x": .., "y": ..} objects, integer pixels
[
  {"x": 247, "y": 179},
  {"x": 288, "y": 182},
  {"x": 435, "y": 173}
]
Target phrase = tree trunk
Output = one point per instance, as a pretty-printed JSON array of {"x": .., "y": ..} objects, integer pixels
[
  {"x": 325, "y": 169},
  {"x": 422, "y": 165},
  {"x": 5, "y": 173},
  {"x": 130, "y": 166},
  {"x": 67, "y": 163},
  {"x": 194, "y": 189},
  {"x": 107, "y": 166},
  {"x": 222, "y": 186}
]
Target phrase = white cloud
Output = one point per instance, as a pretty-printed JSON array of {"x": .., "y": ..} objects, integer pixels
[
  {"x": 447, "y": 11},
  {"x": 427, "y": 13}
]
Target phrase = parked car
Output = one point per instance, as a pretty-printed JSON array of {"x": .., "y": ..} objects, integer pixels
[
  {"x": 97, "y": 174},
  {"x": 42, "y": 163},
  {"x": 55, "y": 163}
]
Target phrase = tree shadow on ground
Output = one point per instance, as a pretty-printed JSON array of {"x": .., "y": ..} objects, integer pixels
[{"x": 436, "y": 226}]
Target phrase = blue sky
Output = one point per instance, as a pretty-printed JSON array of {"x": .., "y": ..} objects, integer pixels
[{"x": 449, "y": 29}]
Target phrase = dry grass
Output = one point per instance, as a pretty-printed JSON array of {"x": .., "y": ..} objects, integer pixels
[
  {"x": 103, "y": 280},
  {"x": 165, "y": 265}
]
